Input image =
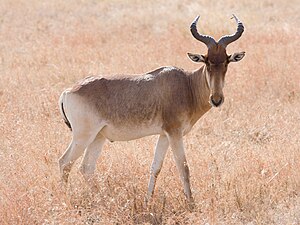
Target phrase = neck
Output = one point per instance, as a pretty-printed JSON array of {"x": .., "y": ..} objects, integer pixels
[{"x": 200, "y": 91}]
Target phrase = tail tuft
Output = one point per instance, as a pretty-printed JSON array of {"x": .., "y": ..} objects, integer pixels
[
  {"x": 62, "y": 111},
  {"x": 65, "y": 117}
]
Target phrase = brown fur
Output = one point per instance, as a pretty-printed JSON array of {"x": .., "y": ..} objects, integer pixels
[
  {"x": 217, "y": 54},
  {"x": 168, "y": 95}
]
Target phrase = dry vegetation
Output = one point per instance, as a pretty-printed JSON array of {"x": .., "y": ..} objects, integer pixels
[{"x": 244, "y": 158}]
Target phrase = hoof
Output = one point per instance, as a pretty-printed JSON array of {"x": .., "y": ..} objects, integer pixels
[
  {"x": 148, "y": 201},
  {"x": 190, "y": 202}
]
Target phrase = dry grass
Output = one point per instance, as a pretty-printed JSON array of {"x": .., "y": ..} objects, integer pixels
[{"x": 244, "y": 158}]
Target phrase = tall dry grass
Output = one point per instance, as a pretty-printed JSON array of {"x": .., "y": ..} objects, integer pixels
[{"x": 244, "y": 158}]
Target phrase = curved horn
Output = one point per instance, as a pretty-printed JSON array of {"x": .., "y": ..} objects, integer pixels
[
  {"x": 203, "y": 38},
  {"x": 226, "y": 40}
]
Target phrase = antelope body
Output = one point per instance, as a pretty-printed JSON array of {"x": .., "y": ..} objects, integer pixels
[{"x": 166, "y": 102}]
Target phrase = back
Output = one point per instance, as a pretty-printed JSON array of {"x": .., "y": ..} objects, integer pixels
[{"x": 138, "y": 98}]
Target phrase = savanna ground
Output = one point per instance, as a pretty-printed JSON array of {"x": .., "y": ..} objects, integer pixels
[{"x": 244, "y": 158}]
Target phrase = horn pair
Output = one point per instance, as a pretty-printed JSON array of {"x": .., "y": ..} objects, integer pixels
[{"x": 224, "y": 41}]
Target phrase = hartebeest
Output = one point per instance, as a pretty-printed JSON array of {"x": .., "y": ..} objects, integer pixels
[{"x": 167, "y": 101}]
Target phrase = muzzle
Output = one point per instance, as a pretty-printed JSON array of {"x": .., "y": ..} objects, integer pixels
[{"x": 216, "y": 100}]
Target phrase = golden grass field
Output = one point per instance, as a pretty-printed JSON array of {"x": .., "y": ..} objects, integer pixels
[{"x": 244, "y": 157}]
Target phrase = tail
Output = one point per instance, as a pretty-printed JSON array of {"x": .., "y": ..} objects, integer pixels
[{"x": 62, "y": 111}]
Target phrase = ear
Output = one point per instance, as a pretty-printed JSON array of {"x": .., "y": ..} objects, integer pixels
[
  {"x": 196, "y": 57},
  {"x": 236, "y": 56}
]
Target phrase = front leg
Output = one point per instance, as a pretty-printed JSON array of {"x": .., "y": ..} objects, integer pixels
[{"x": 176, "y": 144}]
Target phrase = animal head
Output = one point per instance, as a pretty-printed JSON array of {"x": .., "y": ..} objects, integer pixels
[{"x": 216, "y": 59}]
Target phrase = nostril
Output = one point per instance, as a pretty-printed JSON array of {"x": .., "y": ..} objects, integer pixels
[{"x": 216, "y": 102}]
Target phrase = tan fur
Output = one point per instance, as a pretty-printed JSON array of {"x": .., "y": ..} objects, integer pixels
[
  {"x": 167, "y": 101},
  {"x": 166, "y": 95}
]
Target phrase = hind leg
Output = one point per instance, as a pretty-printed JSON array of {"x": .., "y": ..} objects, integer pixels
[
  {"x": 76, "y": 148},
  {"x": 159, "y": 156},
  {"x": 88, "y": 163}
]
